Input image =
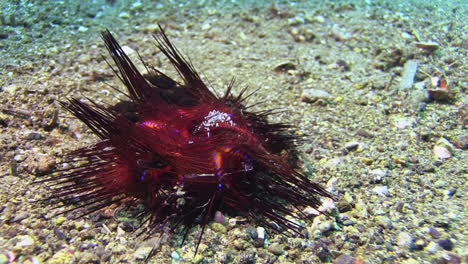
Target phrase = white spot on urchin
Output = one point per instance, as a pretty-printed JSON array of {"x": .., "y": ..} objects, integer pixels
[{"x": 214, "y": 119}]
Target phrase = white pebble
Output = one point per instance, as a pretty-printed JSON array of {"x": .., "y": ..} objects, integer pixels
[
  {"x": 381, "y": 190},
  {"x": 261, "y": 233}
]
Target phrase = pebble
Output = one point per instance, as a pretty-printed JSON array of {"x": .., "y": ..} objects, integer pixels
[
  {"x": 428, "y": 46},
  {"x": 441, "y": 152},
  {"x": 377, "y": 175},
  {"x": 434, "y": 233},
  {"x": 136, "y": 6},
  {"x": 432, "y": 247},
  {"x": 60, "y": 220},
  {"x": 446, "y": 244},
  {"x": 276, "y": 249},
  {"x": 409, "y": 72},
  {"x": 384, "y": 221},
  {"x": 353, "y": 145},
  {"x": 34, "y": 136},
  {"x": 404, "y": 240},
  {"x": 240, "y": 244},
  {"x": 4, "y": 259},
  {"x": 285, "y": 67},
  {"x": 124, "y": 15},
  {"x": 205, "y": 26},
  {"x": 344, "y": 259},
  {"x": 82, "y": 29},
  {"x": 63, "y": 256},
  {"x": 402, "y": 122},
  {"x": 325, "y": 227},
  {"x": 150, "y": 28},
  {"x": 24, "y": 241},
  {"x": 410, "y": 261},
  {"x": 175, "y": 255},
  {"x": 450, "y": 259},
  {"x": 381, "y": 190},
  {"x": 419, "y": 244},
  {"x": 20, "y": 216},
  {"x": 461, "y": 142},
  {"x": 260, "y": 233},
  {"x": 117, "y": 248},
  {"x": 19, "y": 157},
  {"x": 142, "y": 252},
  {"x": 11, "y": 89},
  {"x": 219, "y": 228},
  {"x": 318, "y": 19},
  {"x": 295, "y": 21},
  {"x": 313, "y": 95},
  {"x": 88, "y": 257}
]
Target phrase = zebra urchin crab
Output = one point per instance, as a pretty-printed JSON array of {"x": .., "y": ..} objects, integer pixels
[{"x": 183, "y": 152}]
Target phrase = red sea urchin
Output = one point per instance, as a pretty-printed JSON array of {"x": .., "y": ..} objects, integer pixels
[{"x": 183, "y": 152}]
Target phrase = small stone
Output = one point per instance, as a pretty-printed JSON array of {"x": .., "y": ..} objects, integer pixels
[
  {"x": 124, "y": 15},
  {"x": 260, "y": 233},
  {"x": 20, "y": 216},
  {"x": 175, "y": 255},
  {"x": 432, "y": 247},
  {"x": 319, "y": 19},
  {"x": 11, "y": 89},
  {"x": 34, "y": 136},
  {"x": 19, "y": 157},
  {"x": 384, "y": 221},
  {"x": 461, "y": 142},
  {"x": 446, "y": 244},
  {"x": 419, "y": 244},
  {"x": 240, "y": 244},
  {"x": 441, "y": 152},
  {"x": 60, "y": 220},
  {"x": 136, "y": 6},
  {"x": 295, "y": 21},
  {"x": 118, "y": 249},
  {"x": 88, "y": 257},
  {"x": 142, "y": 252},
  {"x": 4, "y": 259},
  {"x": 428, "y": 46},
  {"x": 402, "y": 122},
  {"x": 377, "y": 175},
  {"x": 410, "y": 261},
  {"x": 344, "y": 259},
  {"x": 82, "y": 29},
  {"x": 434, "y": 233},
  {"x": 285, "y": 67},
  {"x": 404, "y": 240},
  {"x": 60, "y": 234},
  {"x": 381, "y": 190},
  {"x": 353, "y": 145},
  {"x": 44, "y": 166},
  {"x": 205, "y": 26},
  {"x": 218, "y": 228},
  {"x": 313, "y": 95},
  {"x": 24, "y": 241},
  {"x": 325, "y": 227},
  {"x": 151, "y": 28},
  {"x": 451, "y": 259},
  {"x": 276, "y": 249},
  {"x": 63, "y": 256},
  {"x": 349, "y": 222}
]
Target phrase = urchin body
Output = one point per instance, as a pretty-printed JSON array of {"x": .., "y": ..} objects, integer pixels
[{"x": 184, "y": 152}]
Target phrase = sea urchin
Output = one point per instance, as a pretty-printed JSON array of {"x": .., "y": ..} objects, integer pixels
[{"x": 183, "y": 152}]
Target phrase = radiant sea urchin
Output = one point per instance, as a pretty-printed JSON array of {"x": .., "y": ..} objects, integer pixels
[{"x": 183, "y": 152}]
